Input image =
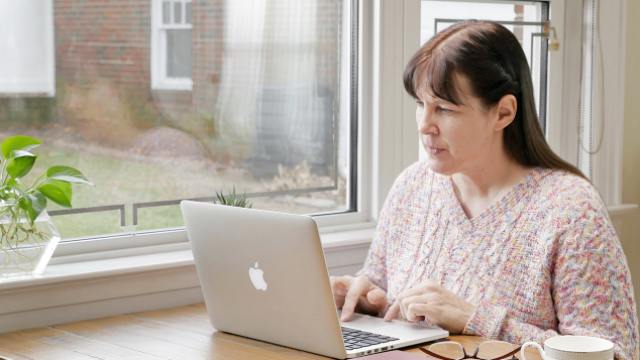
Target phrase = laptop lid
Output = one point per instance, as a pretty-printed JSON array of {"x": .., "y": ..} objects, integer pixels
[{"x": 263, "y": 276}]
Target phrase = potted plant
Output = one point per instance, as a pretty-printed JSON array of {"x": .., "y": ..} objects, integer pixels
[
  {"x": 233, "y": 199},
  {"x": 27, "y": 235}
]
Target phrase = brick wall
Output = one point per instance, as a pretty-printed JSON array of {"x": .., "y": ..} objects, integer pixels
[
  {"x": 208, "y": 37},
  {"x": 111, "y": 40},
  {"x": 103, "y": 39}
]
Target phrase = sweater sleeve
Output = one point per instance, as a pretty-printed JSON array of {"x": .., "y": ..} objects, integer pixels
[
  {"x": 375, "y": 265},
  {"x": 591, "y": 288}
]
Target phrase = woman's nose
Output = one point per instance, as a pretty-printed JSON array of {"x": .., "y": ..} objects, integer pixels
[{"x": 426, "y": 124}]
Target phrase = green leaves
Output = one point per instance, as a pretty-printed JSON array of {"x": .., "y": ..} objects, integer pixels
[
  {"x": 58, "y": 191},
  {"x": 20, "y": 163},
  {"x": 55, "y": 185},
  {"x": 18, "y": 142},
  {"x": 67, "y": 173},
  {"x": 16, "y": 152},
  {"x": 33, "y": 204},
  {"x": 233, "y": 199}
]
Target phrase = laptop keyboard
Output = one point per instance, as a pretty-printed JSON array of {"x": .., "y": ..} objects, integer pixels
[{"x": 356, "y": 339}]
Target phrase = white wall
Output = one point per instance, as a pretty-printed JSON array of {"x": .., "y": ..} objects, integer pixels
[{"x": 630, "y": 234}]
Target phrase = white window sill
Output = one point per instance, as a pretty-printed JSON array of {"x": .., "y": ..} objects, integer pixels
[
  {"x": 160, "y": 258},
  {"x": 164, "y": 276},
  {"x": 622, "y": 209},
  {"x": 177, "y": 85}
]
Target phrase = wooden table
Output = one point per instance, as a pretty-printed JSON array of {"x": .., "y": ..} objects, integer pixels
[{"x": 178, "y": 333}]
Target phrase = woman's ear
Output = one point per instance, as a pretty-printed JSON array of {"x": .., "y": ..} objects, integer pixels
[{"x": 506, "y": 108}]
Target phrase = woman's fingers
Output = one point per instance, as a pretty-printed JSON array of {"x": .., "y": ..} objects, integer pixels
[
  {"x": 373, "y": 301},
  {"x": 377, "y": 297},
  {"x": 414, "y": 308},
  {"x": 357, "y": 294},
  {"x": 358, "y": 287},
  {"x": 393, "y": 311},
  {"x": 423, "y": 291},
  {"x": 340, "y": 287},
  {"x": 433, "y": 304},
  {"x": 416, "y": 312}
]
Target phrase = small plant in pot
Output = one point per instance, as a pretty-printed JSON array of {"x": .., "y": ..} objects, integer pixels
[
  {"x": 233, "y": 199},
  {"x": 27, "y": 235}
]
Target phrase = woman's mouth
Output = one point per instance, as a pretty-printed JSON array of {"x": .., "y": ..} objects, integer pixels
[{"x": 434, "y": 150}]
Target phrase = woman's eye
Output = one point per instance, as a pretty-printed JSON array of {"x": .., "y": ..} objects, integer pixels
[{"x": 441, "y": 109}]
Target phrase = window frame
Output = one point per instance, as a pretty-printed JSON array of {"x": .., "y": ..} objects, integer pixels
[
  {"x": 603, "y": 129},
  {"x": 158, "y": 59},
  {"x": 142, "y": 242}
]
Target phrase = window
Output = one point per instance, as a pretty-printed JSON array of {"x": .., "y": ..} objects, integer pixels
[
  {"x": 172, "y": 44},
  {"x": 525, "y": 19},
  {"x": 26, "y": 66},
  {"x": 270, "y": 112}
]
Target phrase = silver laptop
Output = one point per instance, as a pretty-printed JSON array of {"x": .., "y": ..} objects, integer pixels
[{"x": 263, "y": 276}]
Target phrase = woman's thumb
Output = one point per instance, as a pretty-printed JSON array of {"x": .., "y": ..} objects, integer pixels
[{"x": 377, "y": 296}]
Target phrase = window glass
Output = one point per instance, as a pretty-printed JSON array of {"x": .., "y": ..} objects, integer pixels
[
  {"x": 177, "y": 12},
  {"x": 179, "y": 53},
  {"x": 187, "y": 13},
  {"x": 524, "y": 18},
  {"x": 268, "y": 112},
  {"x": 166, "y": 12}
]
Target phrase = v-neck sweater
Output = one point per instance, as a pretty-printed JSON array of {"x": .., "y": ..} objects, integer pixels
[{"x": 543, "y": 260}]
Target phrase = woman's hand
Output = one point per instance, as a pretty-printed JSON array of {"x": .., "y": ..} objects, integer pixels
[
  {"x": 433, "y": 303},
  {"x": 357, "y": 294}
]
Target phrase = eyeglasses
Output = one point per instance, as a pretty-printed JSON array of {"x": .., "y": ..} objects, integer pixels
[{"x": 487, "y": 350}]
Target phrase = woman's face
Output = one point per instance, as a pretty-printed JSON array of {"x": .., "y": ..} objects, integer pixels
[{"x": 457, "y": 138}]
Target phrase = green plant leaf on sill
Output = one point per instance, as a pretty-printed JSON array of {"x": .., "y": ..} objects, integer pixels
[
  {"x": 20, "y": 163},
  {"x": 33, "y": 204},
  {"x": 58, "y": 191},
  {"x": 67, "y": 173},
  {"x": 11, "y": 183},
  {"x": 18, "y": 142}
]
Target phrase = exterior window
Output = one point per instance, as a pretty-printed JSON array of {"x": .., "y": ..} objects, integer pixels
[
  {"x": 26, "y": 42},
  {"x": 172, "y": 45},
  {"x": 269, "y": 112},
  {"x": 525, "y": 18}
]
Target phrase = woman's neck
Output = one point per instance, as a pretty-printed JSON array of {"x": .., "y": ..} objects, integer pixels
[{"x": 479, "y": 187}]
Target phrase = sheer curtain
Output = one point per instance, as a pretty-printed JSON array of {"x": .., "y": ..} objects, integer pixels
[
  {"x": 243, "y": 65},
  {"x": 277, "y": 91}
]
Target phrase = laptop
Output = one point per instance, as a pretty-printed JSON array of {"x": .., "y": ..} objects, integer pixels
[{"x": 263, "y": 276}]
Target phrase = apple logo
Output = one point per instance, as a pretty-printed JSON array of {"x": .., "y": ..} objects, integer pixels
[{"x": 257, "y": 277}]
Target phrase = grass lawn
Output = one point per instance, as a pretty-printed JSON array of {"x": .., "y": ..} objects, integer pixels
[{"x": 123, "y": 178}]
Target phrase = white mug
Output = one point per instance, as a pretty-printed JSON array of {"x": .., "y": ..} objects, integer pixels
[{"x": 569, "y": 347}]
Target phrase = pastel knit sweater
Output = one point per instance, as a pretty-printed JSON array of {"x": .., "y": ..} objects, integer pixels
[{"x": 541, "y": 261}]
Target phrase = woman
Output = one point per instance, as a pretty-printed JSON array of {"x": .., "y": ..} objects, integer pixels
[{"x": 493, "y": 235}]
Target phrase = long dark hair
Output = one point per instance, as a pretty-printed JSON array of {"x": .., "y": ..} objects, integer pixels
[{"x": 491, "y": 57}]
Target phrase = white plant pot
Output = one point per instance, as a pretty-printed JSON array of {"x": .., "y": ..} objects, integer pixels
[{"x": 27, "y": 252}]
